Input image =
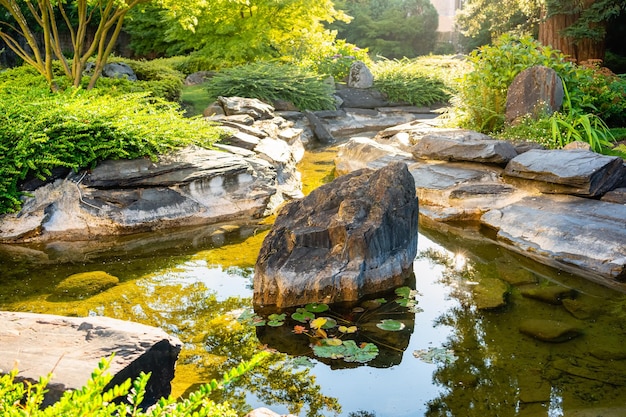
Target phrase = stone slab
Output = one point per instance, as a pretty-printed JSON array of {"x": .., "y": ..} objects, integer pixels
[
  {"x": 575, "y": 233},
  {"x": 72, "y": 347}
]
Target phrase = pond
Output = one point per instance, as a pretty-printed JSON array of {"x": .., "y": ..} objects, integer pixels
[{"x": 455, "y": 356}]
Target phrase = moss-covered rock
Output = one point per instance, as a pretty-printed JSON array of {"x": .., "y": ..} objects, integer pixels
[
  {"x": 549, "y": 330},
  {"x": 490, "y": 293},
  {"x": 85, "y": 284}
]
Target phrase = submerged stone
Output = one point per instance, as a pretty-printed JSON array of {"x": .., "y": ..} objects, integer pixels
[
  {"x": 549, "y": 330},
  {"x": 490, "y": 294},
  {"x": 554, "y": 294},
  {"x": 85, "y": 284}
]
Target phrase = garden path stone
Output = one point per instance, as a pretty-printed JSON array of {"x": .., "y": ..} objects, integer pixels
[{"x": 577, "y": 172}]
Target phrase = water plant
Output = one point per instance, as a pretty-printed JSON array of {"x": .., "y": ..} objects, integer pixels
[{"x": 342, "y": 335}]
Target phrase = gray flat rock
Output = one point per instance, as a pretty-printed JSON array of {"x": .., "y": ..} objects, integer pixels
[
  {"x": 567, "y": 231},
  {"x": 463, "y": 145},
  {"x": 577, "y": 172}
]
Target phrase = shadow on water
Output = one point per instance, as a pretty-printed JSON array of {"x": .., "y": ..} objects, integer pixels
[{"x": 475, "y": 346}]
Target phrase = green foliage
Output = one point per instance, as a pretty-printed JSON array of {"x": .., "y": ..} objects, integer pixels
[
  {"x": 270, "y": 82},
  {"x": 337, "y": 59},
  {"x": 228, "y": 33},
  {"x": 391, "y": 28},
  {"x": 25, "y": 398},
  {"x": 346, "y": 350},
  {"x": 76, "y": 129},
  {"x": 154, "y": 76},
  {"x": 406, "y": 81},
  {"x": 482, "y": 94}
]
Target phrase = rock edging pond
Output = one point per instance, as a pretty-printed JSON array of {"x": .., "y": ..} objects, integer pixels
[{"x": 558, "y": 207}]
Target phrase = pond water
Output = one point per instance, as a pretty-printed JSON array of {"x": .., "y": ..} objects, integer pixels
[{"x": 453, "y": 358}]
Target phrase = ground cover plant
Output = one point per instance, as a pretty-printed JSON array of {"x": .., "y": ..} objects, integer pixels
[
  {"x": 25, "y": 398},
  {"x": 270, "y": 82},
  {"x": 406, "y": 80},
  {"x": 76, "y": 129}
]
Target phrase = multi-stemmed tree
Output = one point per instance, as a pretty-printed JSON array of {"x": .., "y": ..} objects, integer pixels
[{"x": 93, "y": 27}]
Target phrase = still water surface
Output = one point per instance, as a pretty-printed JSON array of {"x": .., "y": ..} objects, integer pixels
[{"x": 194, "y": 284}]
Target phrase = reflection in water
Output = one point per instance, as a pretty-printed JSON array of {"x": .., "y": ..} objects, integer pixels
[{"x": 474, "y": 297}]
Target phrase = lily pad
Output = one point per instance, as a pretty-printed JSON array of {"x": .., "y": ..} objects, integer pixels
[
  {"x": 347, "y": 350},
  {"x": 391, "y": 325},
  {"x": 302, "y": 315},
  {"x": 330, "y": 323},
  {"x": 276, "y": 320},
  {"x": 432, "y": 355},
  {"x": 316, "y": 307},
  {"x": 345, "y": 329}
]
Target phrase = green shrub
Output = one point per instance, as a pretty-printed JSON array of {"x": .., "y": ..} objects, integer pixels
[
  {"x": 270, "y": 82},
  {"x": 25, "y": 399},
  {"x": 481, "y": 101},
  {"x": 76, "y": 129},
  {"x": 405, "y": 81},
  {"x": 156, "y": 77},
  {"x": 337, "y": 60}
]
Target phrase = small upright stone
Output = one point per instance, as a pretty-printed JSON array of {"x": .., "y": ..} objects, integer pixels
[{"x": 360, "y": 76}]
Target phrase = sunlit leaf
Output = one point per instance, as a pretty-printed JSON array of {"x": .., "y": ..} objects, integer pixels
[
  {"x": 391, "y": 325},
  {"x": 316, "y": 307},
  {"x": 404, "y": 292},
  {"x": 344, "y": 329},
  {"x": 332, "y": 342},
  {"x": 362, "y": 354}
]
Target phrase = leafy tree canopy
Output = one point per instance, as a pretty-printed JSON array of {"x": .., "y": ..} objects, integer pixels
[
  {"x": 233, "y": 31},
  {"x": 495, "y": 17},
  {"x": 391, "y": 28}
]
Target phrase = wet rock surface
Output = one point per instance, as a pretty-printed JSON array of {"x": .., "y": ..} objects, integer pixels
[
  {"x": 354, "y": 236},
  {"x": 549, "y": 330},
  {"x": 532, "y": 216}
]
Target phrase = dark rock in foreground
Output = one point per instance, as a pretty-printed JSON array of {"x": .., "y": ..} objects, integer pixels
[
  {"x": 352, "y": 237},
  {"x": 72, "y": 347}
]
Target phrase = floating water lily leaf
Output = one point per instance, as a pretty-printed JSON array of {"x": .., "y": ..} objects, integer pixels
[
  {"x": 331, "y": 352},
  {"x": 381, "y": 300},
  {"x": 358, "y": 310},
  {"x": 302, "y": 315},
  {"x": 391, "y": 325},
  {"x": 302, "y": 361},
  {"x": 276, "y": 320},
  {"x": 330, "y": 323},
  {"x": 435, "y": 355},
  {"x": 344, "y": 329},
  {"x": 332, "y": 342},
  {"x": 316, "y": 307},
  {"x": 404, "y": 292},
  {"x": 318, "y": 322},
  {"x": 362, "y": 354},
  {"x": 250, "y": 318},
  {"x": 347, "y": 350}
]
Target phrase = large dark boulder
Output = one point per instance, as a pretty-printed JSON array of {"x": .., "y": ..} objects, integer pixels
[
  {"x": 349, "y": 238},
  {"x": 71, "y": 348}
]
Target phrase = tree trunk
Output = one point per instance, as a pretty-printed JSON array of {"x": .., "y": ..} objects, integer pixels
[{"x": 580, "y": 50}]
